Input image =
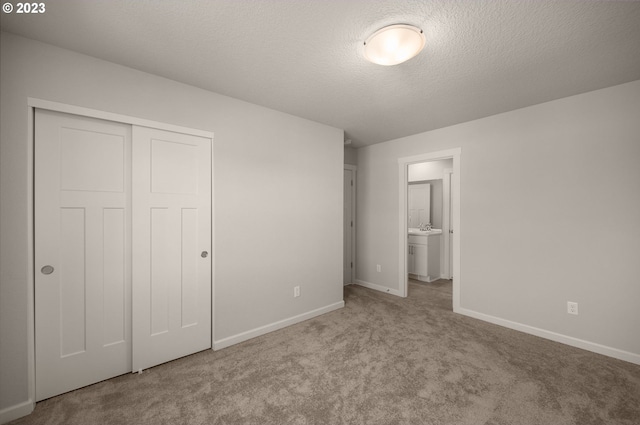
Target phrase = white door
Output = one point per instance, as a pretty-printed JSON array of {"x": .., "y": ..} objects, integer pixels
[
  {"x": 411, "y": 262},
  {"x": 82, "y": 240},
  {"x": 348, "y": 223},
  {"x": 419, "y": 204},
  {"x": 171, "y": 246}
]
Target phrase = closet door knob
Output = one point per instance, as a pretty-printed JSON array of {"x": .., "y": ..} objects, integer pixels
[
  {"x": 204, "y": 254},
  {"x": 47, "y": 270}
]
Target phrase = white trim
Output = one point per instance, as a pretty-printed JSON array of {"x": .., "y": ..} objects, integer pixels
[
  {"x": 31, "y": 315},
  {"x": 253, "y": 333},
  {"x": 378, "y": 287},
  {"x": 553, "y": 336},
  {"x": 109, "y": 116},
  {"x": 403, "y": 277},
  {"x": 354, "y": 169},
  {"x": 403, "y": 181},
  {"x": 445, "y": 261},
  {"x": 16, "y": 411},
  {"x": 212, "y": 253}
]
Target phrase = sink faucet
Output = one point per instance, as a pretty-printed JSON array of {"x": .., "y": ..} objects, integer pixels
[{"x": 425, "y": 227}]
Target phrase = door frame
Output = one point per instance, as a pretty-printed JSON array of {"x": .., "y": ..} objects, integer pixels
[
  {"x": 403, "y": 182},
  {"x": 354, "y": 171},
  {"x": 34, "y": 103},
  {"x": 445, "y": 271}
]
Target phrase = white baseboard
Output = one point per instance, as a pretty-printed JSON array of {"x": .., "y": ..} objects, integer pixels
[
  {"x": 235, "y": 339},
  {"x": 11, "y": 413},
  {"x": 553, "y": 336},
  {"x": 377, "y": 287}
]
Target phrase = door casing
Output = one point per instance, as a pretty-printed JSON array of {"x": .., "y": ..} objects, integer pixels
[
  {"x": 352, "y": 235},
  {"x": 403, "y": 182},
  {"x": 447, "y": 226}
]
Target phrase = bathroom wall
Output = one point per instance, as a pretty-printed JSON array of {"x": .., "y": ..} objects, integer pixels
[
  {"x": 435, "y": 201},
  {"x": 273, "y": 175},
  {"x": 540, "y": 223},
  {"x": 430, "y": 170},
  {"x": 350, "y": 156}
]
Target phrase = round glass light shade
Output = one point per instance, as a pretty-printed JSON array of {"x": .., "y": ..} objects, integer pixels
[{"x": 394, "y": 44}]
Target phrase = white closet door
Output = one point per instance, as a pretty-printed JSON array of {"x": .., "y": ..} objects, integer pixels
[
  {"x": 82, "y": 251},
  {"x": 171, "y": 246}
]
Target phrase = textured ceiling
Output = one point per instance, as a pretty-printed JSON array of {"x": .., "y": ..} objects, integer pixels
[{"x": 304, "y": 57}]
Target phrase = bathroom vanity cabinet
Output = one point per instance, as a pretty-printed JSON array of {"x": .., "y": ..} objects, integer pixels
[
  {"x": 423, "y": 255},
  {"x": 417, "y": 261}
]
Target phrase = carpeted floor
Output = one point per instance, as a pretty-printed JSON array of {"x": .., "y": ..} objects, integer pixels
[{"x": 380, "y": 360}]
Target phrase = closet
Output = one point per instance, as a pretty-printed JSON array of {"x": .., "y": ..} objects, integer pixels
[{"x": 122, "y": 248}]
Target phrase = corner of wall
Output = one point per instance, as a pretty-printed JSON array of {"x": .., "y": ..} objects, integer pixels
[{"x": 11, "y": 413}]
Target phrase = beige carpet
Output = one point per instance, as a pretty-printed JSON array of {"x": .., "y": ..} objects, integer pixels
[{"x": 380, "y": 360}]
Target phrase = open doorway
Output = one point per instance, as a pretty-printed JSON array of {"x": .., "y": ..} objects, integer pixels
[
  {"x": 428, "y": 203},
  {"x": 450, "y": 219},
  {"x": 349, "y": 224}
]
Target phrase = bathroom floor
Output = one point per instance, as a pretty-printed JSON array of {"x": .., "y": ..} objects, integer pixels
[{"x": 440, "y": 290}]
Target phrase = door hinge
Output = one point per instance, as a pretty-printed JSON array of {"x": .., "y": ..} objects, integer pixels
[
  {"x": 352, "y": 264},
  {"x": 351, "y": 182},
  {"x": 351, "y": 223}
]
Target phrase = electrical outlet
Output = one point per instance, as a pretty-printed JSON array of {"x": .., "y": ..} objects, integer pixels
[
  {"x": 296, "y": 291},
  {"x": 378, "y": 268},
  {"x": 572, "y": 308}
]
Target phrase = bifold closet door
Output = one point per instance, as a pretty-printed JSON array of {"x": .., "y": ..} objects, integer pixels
[
  {"x": 171, "y": 246},
  {"x": 82, "y": 251}
]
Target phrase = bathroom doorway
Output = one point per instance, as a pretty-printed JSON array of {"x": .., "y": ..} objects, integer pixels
[
  {"x": 448, "y": 217},
  {"x": 426, "y": 224},
  {"x": 349, "y": 224}
]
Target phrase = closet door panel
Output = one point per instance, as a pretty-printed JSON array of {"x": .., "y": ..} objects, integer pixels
[
  {"x": 189, "y": 257},
  {"x": 82, "y": 255},
  {"x": 172, "y": 230},
  {"x": 116, "y": 291}
]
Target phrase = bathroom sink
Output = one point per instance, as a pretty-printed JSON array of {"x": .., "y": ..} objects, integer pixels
[{"x": 418, "y": 232}]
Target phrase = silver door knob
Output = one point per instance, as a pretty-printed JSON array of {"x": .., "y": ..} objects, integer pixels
[
  {"x": 47, "y": 270},
  {"x": 204, "y": 254}
]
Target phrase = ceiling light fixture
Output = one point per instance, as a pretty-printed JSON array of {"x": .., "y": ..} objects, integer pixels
[{"x": 394, "y": 44}]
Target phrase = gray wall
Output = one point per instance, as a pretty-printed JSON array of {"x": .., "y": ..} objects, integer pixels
[
  {"x": 350, "y": 156},
  {"x": 428, "y": 170},
  {"x": 435, "y": 201},
  {"x": 271, "y": 169},
  {"x": 550, "y": 213},
  {"x": 431, "y": 172}
]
